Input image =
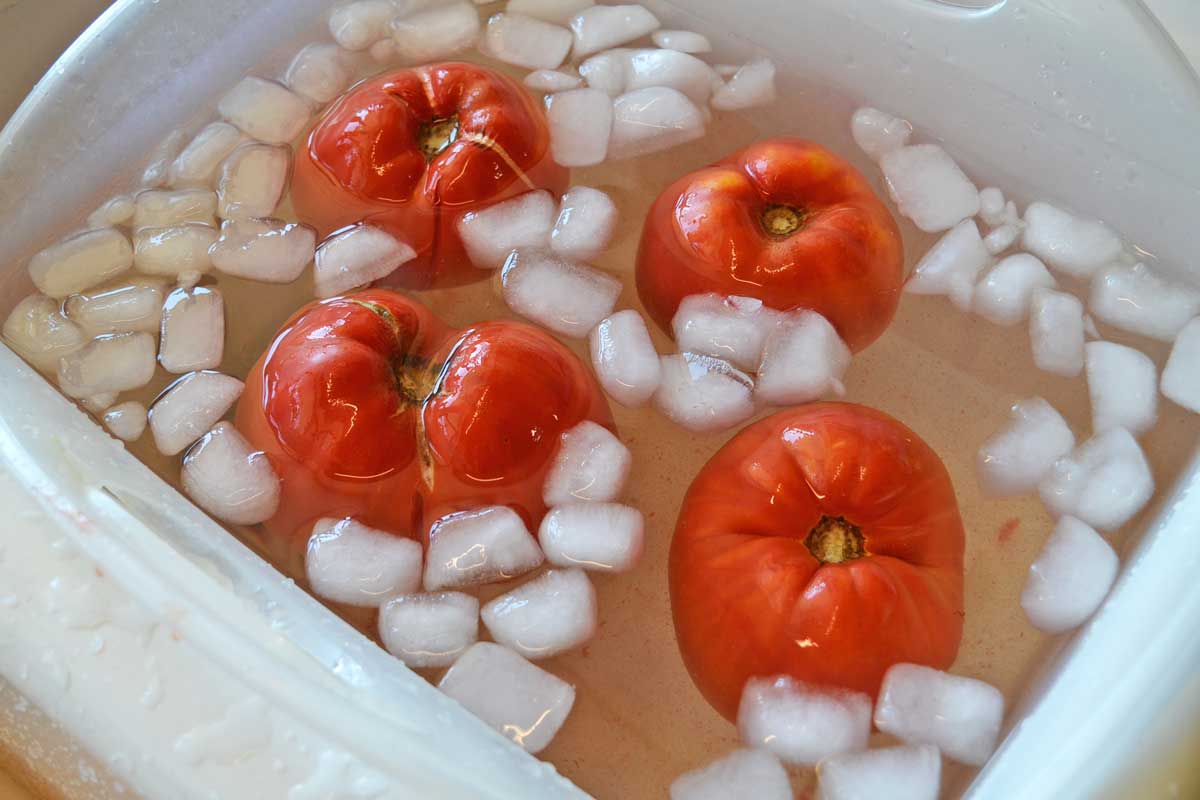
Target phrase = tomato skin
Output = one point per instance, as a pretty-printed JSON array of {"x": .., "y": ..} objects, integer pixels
[
  {"x": 705, "y": 233},
  {"x": 362, "y": 162},
  {"x": 748, "y": 597}
]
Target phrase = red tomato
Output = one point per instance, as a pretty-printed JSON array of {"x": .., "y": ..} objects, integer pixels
[
  {"x": 784, "y": 221},
  {"x": 414, "y": 150},
  {"x": 368, "y": 406},
  {"x": 824, "y": 543}
]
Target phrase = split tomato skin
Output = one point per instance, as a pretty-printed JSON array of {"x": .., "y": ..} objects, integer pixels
[
  {"x": 751, "y": 599},
  {"x": 711, "y": 231}
]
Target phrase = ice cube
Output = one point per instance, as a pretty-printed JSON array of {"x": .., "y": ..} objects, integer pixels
[
  {"x": 356, "y": 257},
  {"x": 117, "y": 210},
  {"x": 703, "y": 394},
  {"x": 436, "y": 33},
  {"x": 548, "y": 615},
  {"x": 1056, "y": 331},
  {"x": 1137, "y": 300},
  {"x": 267, "y": 250},
  {"x": 229, "y": 480},
  {"x": 991, "y": 207},
  {"x": 1025, "y": 450},
  {"x": 158, "y": 208},
  {"x": 1003, "y": 296},
  {"x": 751, "y": 86},
  {"x": 928, "y": 187},
  {"x": 265, "y": 110},
  {"x": 1069, "y": 244},
  {"x": 651, "y": 120},
  {"x": 1104, "y": 482},
  {"x": 358, "y": 25},
  {"x": 1000, "y": 239},
  {"x": 565, "y": 296},
  {"x": 349, "y": 562},
  {"x": 586, "y": 221},
  {"x": 189, "y": 407},
  {"x": 1123, "y": 385},
  {"x": 740, "y": 774},
  {"x": 491, "y": 234},
  {"x": 897, "y": 773},
  {"x": 135, "y": 306},
  {"x": 113, "y": 363},
  {"x": 318, "y": 72},
  {"x": 429, "y": 630},
  {"x": 601, "y": 537},
  {"x": 37, "y": 330},
  {"x": 683, "y": 41},
  {"x": 552, "y": 80},
  {"x": 959, "y": 715},
  {"x": 800, "y": 723},
  {"x": 197, "y": 164},
  {"x": 127, "y": 421},
  {"x": 175, "y": 250},
  {"x": 734, "y": 328},
  {"x": 97, "y": 404},
  {"x": 1070, "y": 577},
  {"x": 1181, "y": 376},
  {"x": 193, "y": 330},
  {"x": 252, "y": 181},
  {"x": 526, "y": 41},
  {"x": 607, "y": 71},
  {"x": 80, "y": 262},
  {"x": 601, "y": 27},
  {"x": 556, "y": 11},
  {"x": 688, "y": 74},
  {"x": 158, "y": 168},
  {"x": 519, "y": 699},
  {"x": 624, "y": 358},
  {"x": 581, "y": 122},
  {"x": 591, "y": 465},
  {"x": 952, "y": 265},
  {"x": 803, "y": 360},
  {"x": 877, "y": 132},
  {"x": 482, "y": 546}
]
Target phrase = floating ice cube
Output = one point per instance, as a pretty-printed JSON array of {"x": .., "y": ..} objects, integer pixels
[
  {"x": 734, "y": 329},
  {"x": 751, "y": 86},
  {"x": 97, "y": 404},
  {"x": 586, "y": 221},
  {"x": 601, "y": 537},
  {"x": 158, "y": 168},
  {"x": 436, "y": 33},
  {"x": 526, "y": 41},
  {"x": 1104, "y": 482},
  {"x": 113, "y": 363},
  {"x": 193, "y": 330},
  {"x": 607, "y": 71},
  {"x": 803, "y": 360},
  {"x": 624, "y": 358},
  {"x": 1123, "y": 385},
  {"x": 429, "y": 630},
  {"x": 384, "y": 51},
  {"x": 581, "y": 123},
  {"x": 601, "y": 27},
  {"x": 1070, "y": 577},
  {"x": 175, "y": 250},
  {"x": 117, "y": 210},
  {"x": 80, "y": 262},
  {"x": 197, "y": 164},
  {"x": 37, "y": 330},
  {"x": 349, "y": 562},
  {"x": 482, "y": 546},
  {"x": 252, "y": 181},
  {"x": 591, "y": 465},
  {"x": 703, "y": 394},
  {"x": 683, "y": 41},
  {"x": 741, "y": 774},
  {"x": 1025, "y": 450},
  {"x": 548, "y": 615},
  {"x": 134, "y": 306},
  {"x": 158, "y": 208},
  {"x": 189, "y": 407},
  {"x": 491, "y": 234},
  {"x": 556, "y": 11},
  {"x": 651, "y": 120},
  {"x": 1003, "y": 296},
  {"x": 127, "y": 421},
  {"x": 267, "y": 250},
  {"x": 897, "y": 773},
  {"x": 685, "y": 73},
  {"x": 1135, "y": 299},
  {"x": 318, "y": 72},
  {"x": 961, "y": 716},
  {"x": 265, "y": 110},
  {"x": 228, "y": 479},
  {"x": 1000, "y": 239},
  {"x": 952, "y": 265},
  {"x": 1069, "y": 244},
  {"x": 358, "y": 25},
  {"x": 356, "y": 257},
  {"x": 1181, "y": 376},
  {"x": 928, "y": 187},
  {"x": 991, "y": 207},
  {"x": 565, "y": 296},
  {"x": 519, "y": 699},
  {"x": 552, "y": 80},
  {"x": 800, "y": 723},
  {"x": 877, "y": 132},
  {"x": 1056, "y": 331}
]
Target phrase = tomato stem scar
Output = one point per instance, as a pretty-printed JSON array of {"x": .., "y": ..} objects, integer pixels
[
  {"x": 782, "y": 221},
  {"x": 833, "y": 540},
  {"x": 436, "y": 135}
]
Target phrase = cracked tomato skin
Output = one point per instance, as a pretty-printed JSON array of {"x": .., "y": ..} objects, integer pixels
[
  {"x": 368, "y": 406},
  {"x": 706, "y": 233},
  {"x": 363, "y": 161},
  {"x": 750, "y": 599}
]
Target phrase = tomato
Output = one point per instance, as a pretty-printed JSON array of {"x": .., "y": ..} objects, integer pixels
[
  {"x": 369, "y": 406},
  {"x": 784, "y": 221},
  {"x": 823, "y": 542},
  {"x": 413, "y": 150}
]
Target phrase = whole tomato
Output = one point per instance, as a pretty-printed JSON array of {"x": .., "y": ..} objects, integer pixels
[
  {"x": 824, "y": 543},
  {"x": 368, "y": 406},
  {"x": 413, "y": 150},
  {"x": 784, "y": 221}
]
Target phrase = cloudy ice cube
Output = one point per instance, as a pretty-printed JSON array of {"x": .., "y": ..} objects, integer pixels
[
  {"x": 1137, "y": 300},
  {"x": 1181, "y": 376},
  {"x": 318, "y": 72},
  {"x": 751, "y": 86},
  {"x": 357, "y": 257},
  {"x": 959, "y": 715},
  {"x": 253, "y": 179},
  {"x": 601, "y": 27},
  {"x": 548, "y": 615},
  {"x": 734, "y": 329},
  {"x": 113, "y": 363},
  {"x": 741, "y": 774},
  {"x": 80, "y": 262},
  {"x": 801, "y": 723},
  {"x": 552, "y": 80},
  {"x": 1056, "y": 331},
  {"x": 683, "y": 41},
  {"x": 173, "y": 251},
  {"x": 991, "y": 207},
  {"x": 429, "y": 630},
  {"x": 159, "y": 208},
  {"x": 1103, "y": 483},
  {"x": 1003, "y": 296},
  {"x": 581, "y": 122},
  {"x": 703, "y": 394},
  {"x": 486, "y": 545},
  {"x": 1070, "y": 244},
  {"x": 607, "y": 72},
  {"x": 133, "y": 306},
  {"x": 198, "y": 162},
  {"x": 492, "y": 233},
  {"x": 1025, "y": 450},
  {"x": 113, "y": 212},
  {"x": 228, "y": 479},
  {"x": 193, "y": 330},
  {"x": 358, "y": 25},
  {"x": 803, "y": 360},
  {"x": 651, "y": 120},
  {"x": 348, "y": 562},
  {"x": 591, "y": 465},
  {"x": 686, "y": 73},
  {"x": 1070, "y": 577},
  {"x": 265, "y": 110},
  {"x": 39, "y": 332},
  {"x": 526, "y": 41},
  {"x": 190, "y": 407},
  {"x": 127, "y": 421},
  {"x": 897, "y": 773},
  {"x": 928, "y": 187},
  {"x": 877, "y": 132},
  {"x": 1000, "y": 239},
  {"x": 556, "y": 11},
  {"x": 624, "y": 358},
  {"x": 437, "y": 32},
  {"x": 586, "y": 221},
  {"x": 952, "y": 265},
  {"x": 600, "y": 537},
  {"x": 267, "y": 250},
  {"x": 1123, "y": 385},
  {"x": 564, "y": 296}
]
